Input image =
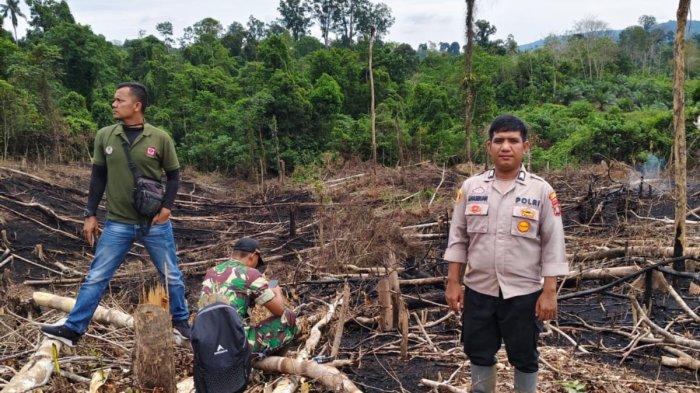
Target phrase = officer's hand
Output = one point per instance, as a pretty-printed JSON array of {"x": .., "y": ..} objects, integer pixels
[
  {"x": 546, "y": 307},
  {"x": 454, "y": 295},
  {"x": 91, "y": 229},
  {"x": 162, "y": 216}
]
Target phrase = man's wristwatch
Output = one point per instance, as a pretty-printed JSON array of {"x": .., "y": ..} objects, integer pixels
[{"x": 88, "y": 213}]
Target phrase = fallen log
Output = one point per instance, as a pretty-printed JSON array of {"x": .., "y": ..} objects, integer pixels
[
  {"x": 684, "y": 362},
  {"x": 669, "y": 337},
  {"x": 37, "y": 371},
  {"x": 102, "y": 314},
  {"x": 289, "y": 385},
  {"x": 640, "y": 251},
  {"x": 329, "y": 376},
  {"x": 443, "y": 385},
  {"x": 340, "y": 324},
  {"x": 40, "y": 366},
  {"x": 619, "y": 280}
]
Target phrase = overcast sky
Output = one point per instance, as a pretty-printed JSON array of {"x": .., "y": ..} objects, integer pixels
[{"x": 417, "y": 21}]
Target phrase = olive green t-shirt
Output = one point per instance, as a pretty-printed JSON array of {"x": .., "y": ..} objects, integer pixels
[{"x": 153, "y": 152}]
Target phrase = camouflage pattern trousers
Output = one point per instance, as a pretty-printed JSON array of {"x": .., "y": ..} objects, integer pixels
[{"x": 272, "y": 333}]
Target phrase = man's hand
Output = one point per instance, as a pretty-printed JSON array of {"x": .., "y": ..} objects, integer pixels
[
  {"x": 454, "y": 295},
  {"x": 91, "y": 229},
  {"x": 162, "y": 216},
  {"x": 546, "y": 307}
]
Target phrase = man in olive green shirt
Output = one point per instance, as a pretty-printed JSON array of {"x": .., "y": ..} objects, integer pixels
[{"x": 152, "y": 151}]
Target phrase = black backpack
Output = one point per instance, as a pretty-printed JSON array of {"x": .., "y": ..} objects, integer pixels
[{"x": 222, "y": 356}]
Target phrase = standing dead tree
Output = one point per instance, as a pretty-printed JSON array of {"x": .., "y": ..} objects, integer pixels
[
  {"x": 679, "y": 147},
  {"x": 469, "y": 79},
  {"x": 371, "y": 88}
]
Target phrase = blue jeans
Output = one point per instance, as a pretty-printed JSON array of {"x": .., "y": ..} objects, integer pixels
[{"x": 114, "y": 243}]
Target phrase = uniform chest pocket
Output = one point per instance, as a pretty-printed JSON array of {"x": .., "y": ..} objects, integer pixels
[
  {"x": 477, "y": 217},
  {"x": 525, "y": 222}
]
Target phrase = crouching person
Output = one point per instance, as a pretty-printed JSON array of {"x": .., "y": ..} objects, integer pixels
[
  {"x": 223, "y": 339},
  {"x": 240, "y": 283}
]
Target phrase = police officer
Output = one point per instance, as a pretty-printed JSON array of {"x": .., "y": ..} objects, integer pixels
[
  {"x": 506, "y": 245},
  {"x": 153, "y": 152}
]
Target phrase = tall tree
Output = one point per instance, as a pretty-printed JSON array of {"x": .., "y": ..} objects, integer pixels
[
  {"x": 469, "y": 79},
  {"x": 326, "y": 14},
  {"x": 349, "y": 11},
  {"x": 295, "y": 16},
  {"x": 47, "y": 14},
  {"x": 647, "y": 22},
  {"x": 165, "y": 29},
  {"x": 371, "y": 89},
  {"x": 484, "y": 30},
  {"x": 40, "y": 73},
  {"x": 11, "y": 8},
  {"x": 375, "y": 17},
  {"x": 592, "y": 37},
  {"x": 679, "y": 147},
  {"x": 256, "y": 28}
]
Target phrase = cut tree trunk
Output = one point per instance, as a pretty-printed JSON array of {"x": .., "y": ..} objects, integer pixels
[
  {"x": 153, "y": 355},
  {"x": 386, "y": 316}
]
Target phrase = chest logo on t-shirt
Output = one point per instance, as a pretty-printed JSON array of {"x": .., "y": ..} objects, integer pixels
[
  {"x": 151, "y": 152},
  {"x": 109, "y": 150}
]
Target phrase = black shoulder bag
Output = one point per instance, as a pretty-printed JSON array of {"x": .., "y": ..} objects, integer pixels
[{"x": 148, "y": 193}]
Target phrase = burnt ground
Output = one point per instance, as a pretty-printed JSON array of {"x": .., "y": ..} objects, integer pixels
[{"x": 358, "y": 221}]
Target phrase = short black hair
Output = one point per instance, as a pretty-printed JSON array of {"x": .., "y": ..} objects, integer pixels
[
  {"x": 240, "y": 254},
  {"x": 508, "y": 123},
  {"x": 139, "y": 91}
]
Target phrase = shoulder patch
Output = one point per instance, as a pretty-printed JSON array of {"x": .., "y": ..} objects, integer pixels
[
  {"x": 460, "y": 195},
  {"x": 556, "y": 208}
]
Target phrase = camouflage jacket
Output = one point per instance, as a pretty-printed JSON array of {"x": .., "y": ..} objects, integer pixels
[{"x": 239, "y": 284}]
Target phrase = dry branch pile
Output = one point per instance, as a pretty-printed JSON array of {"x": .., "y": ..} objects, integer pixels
[{"x": 619, "y": 308}]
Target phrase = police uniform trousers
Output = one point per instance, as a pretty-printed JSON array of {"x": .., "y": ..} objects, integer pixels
[{"x": 488, "y": 320}]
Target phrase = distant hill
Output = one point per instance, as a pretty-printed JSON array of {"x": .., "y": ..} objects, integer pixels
[{"x": 670, "y": 26}]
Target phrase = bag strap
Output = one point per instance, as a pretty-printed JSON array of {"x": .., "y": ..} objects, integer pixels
[
  {"x": 137, "y": 174},
  {"x": 132, "y": 166}
]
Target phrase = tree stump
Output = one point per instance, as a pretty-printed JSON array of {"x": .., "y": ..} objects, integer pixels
[
  {"x": 386, "y": 316},
  {"x": 153, "y": 355}
]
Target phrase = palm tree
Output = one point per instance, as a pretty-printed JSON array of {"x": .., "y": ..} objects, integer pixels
[{"x": 11, "y": 8}]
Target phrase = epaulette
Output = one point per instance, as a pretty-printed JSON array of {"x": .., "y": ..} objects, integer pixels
[{"x": 536, "y": 177}]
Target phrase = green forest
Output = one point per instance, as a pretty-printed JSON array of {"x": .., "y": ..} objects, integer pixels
[{"x": 235, "y": 95}]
